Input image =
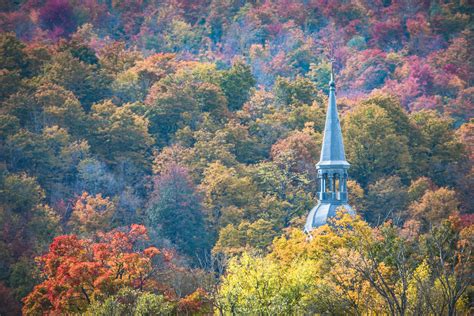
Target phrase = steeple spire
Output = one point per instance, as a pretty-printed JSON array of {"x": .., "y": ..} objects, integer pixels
[
  {"x": 332, "y": 151},
  {"x": 332, "y": 168}
]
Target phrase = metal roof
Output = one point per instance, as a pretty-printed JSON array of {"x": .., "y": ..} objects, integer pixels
[{"x": 332, "y": 152}]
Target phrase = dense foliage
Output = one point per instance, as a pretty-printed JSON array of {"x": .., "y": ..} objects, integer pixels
[{"x": 157, "y": 157}]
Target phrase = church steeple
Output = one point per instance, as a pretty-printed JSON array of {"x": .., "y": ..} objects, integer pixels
[
  {"x": 332, "y": 151},
  {"x": 332, "y": 168}
]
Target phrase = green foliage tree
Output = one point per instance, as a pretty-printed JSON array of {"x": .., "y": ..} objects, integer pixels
[
  {"x": 256, "y": 236},
  {"x": 120, "y": 135},
  {"x": 386, "y": 199},
  {"x": 175, "y": 211},
  {"x": 48, "y": 105},
  {"x": 294, "y": 92},
  {"x": 320, "y": 74},
  {"x": 285, "y": 193},
  {"x": 236, "y": 84},
  {"x": 228, "y": 196},
  {"x": 88, "y": 83},
  {"x": 13, "y": 64},
  {"x": 28, "y": 225},
  {"x": 373, "y": 146},
  {"x": 440, "y": 152},
  {"x": 11, "y": 50},
  {"x": 245, "y": 147},
  {"x": 51, "y": 156},
  {"x": 131, "y": 302},
  {"x": 180, "y": 98},
  {"x": 181, "y": 36}
]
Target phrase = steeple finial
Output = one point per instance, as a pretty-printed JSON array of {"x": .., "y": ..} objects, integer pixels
[{"x": 332, "y": 83}]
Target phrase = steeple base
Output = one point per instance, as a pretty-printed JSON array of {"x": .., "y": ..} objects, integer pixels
[{"x": 319, "y": 215}]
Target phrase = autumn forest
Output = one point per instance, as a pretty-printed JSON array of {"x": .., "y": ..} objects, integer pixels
[{"x": 157, "y": 157}]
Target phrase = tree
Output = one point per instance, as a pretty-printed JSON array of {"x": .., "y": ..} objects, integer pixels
[
  {"x": 27, "y": 226},
  {"x": 86, "y": 81},
  {"x": 133, "y": 83},
  {"x": 435, "y": 206},
  {"x": 320, "y": 73},
  {"x": 12, "y": 52},
  {"x": 418, "y": 188},
  {"x": 182, "y": 97},
  {"x": 382, "y": 259},
  {"x": 58, "y": 17},
  {"x": 175, "y": 211},
  {"x": 181, "y": 36},
  {"x": 367, "y": 70},
  {"x": 400, "y": 118},
  {"x": 356, "y": 195},
  {"x": 95, "y": 177},
  {"x": 91, "y": 214},
  {"x": 294, "y": 92},
  {"x": 441, "y": 151},
  {"x": 256, "y": 236},
  {"x": 50, "y": 156},
  {"x": 373, "y": 147},
  {"x": 47, "y": 105},
  {"x": 386, "y": 199},
  {"x": 119, "y": 135},
  {"x": 13, "y": 64},
  {"x": 464, "y": 182},
  {"x": 286, "y": 194},
  {"x": 228, "y": 196},
  {"x": 301, "y": 150},
  {"x": 236, "y": 84},
  {"x": 129, "y": 301},
  {"x": 116, "y": 58},
  {"x": 168, "y": 156},
  {"x": 80, "y": 271},
  {"x": 245, "y": 147},
  {"x": 448, "y": 250},
  {"x": 195, "y": 303},
  {"x": 79, "y": 49},
  {"x": 9, "y": 306},
  {"x": 259, "y": 285}
]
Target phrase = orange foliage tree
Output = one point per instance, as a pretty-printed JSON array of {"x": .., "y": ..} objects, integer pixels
[
  {"x": 91, "y": 213},
  {"x": 80, "y": 271}
]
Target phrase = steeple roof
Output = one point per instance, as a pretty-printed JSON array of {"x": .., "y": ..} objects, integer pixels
[
  {"x": 332, "y": 152},
  {"x": 332, "y": 170}
]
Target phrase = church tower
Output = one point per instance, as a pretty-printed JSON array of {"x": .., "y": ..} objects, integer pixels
[{"x": 332, "y": 169}]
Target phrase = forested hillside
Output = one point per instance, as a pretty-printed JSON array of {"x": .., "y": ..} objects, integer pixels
[{"x": 158, "y": 157}]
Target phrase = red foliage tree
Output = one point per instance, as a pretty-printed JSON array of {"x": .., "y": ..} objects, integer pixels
[
  {"x": 388, "y": 34},
  {"x": 79, "y": 271},
  {"x": 58, "y": 17}
]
